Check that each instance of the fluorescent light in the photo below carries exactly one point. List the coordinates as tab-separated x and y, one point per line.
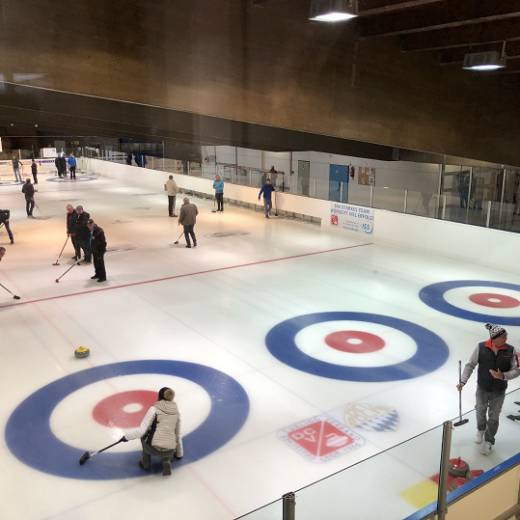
485	67
333	10
482	61
334	16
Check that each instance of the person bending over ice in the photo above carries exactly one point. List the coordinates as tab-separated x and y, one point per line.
497	363
160	432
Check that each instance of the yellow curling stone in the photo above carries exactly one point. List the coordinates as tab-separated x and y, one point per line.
82	352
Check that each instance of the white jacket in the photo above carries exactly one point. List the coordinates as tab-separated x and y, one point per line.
167	434
171	188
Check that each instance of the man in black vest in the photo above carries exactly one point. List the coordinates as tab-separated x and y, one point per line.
497	363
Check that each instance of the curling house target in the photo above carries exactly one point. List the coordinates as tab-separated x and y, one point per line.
475	300
357	346
30	438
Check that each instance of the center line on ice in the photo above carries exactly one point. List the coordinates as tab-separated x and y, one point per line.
186	275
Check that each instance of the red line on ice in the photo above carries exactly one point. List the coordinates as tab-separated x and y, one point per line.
186	275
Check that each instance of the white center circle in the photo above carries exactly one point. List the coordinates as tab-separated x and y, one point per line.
132	408
460	297
399	347
72	421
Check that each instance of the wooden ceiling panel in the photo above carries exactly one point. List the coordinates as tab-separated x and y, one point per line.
439	15
469	35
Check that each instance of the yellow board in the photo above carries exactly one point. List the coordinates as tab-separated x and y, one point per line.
421	494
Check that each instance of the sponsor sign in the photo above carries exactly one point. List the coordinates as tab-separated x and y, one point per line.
352	218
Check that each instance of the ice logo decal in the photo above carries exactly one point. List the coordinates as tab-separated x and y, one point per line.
371	418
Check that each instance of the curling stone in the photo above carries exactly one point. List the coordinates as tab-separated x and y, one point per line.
458	467
82	352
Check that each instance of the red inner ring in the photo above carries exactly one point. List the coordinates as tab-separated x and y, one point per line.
364	342
504	301
109	411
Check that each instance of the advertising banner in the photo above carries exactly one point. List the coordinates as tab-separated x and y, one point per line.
352	218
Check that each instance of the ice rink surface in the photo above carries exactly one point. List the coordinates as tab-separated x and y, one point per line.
294	352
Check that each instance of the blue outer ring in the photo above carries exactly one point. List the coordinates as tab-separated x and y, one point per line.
29	436
433	296
432	351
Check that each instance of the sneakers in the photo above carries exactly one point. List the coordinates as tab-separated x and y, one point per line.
166	468
479	437
94	277
188	246
486	448
101	280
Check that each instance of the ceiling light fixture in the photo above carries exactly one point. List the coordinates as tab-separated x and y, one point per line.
483	61
333	10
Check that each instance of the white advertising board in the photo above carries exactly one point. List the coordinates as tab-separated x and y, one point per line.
352	218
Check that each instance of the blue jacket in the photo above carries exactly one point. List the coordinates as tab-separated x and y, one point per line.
218	186
72	161
267	190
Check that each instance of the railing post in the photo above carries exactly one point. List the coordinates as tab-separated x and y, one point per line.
443	214
405	200
442	496
468	195
488	217
371	195
289	506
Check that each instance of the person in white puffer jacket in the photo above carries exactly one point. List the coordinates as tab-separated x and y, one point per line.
160	432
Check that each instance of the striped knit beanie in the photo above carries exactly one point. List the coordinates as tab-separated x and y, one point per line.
495	331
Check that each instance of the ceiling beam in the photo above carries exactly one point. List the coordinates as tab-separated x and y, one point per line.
470	35
375	7
441	15
456	55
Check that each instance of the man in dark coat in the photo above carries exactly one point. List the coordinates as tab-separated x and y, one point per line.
72	224
83	233
28	191
4	219
34	171
98	246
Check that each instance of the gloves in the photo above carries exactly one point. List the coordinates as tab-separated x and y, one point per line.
123	439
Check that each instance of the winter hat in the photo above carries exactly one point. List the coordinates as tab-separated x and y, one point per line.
165	394
495	331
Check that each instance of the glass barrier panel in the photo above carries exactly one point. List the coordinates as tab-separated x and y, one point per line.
392	484
359	195
424	204
272	511
464	447
389	198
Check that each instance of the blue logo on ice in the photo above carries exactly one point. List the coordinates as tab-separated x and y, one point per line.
432	351
29	436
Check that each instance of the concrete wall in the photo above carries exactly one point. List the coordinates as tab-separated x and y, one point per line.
449	239
265	65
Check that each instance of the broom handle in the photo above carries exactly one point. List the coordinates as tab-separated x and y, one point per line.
111	446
